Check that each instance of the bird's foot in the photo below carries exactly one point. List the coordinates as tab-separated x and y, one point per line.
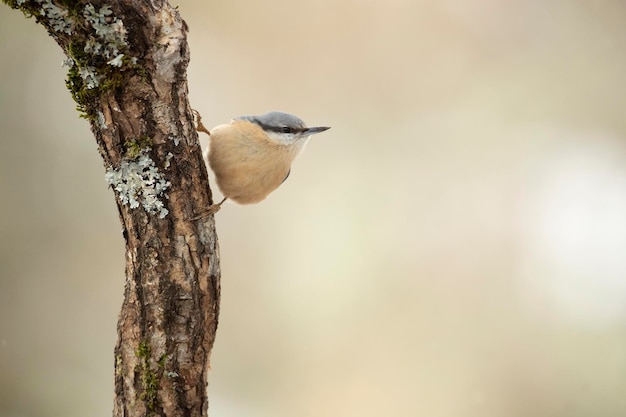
212	209
199	126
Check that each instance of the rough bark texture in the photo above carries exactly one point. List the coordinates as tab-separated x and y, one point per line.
141	118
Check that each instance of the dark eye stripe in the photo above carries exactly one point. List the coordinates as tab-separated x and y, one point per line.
282	129
277	129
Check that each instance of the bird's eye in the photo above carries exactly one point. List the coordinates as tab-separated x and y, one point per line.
286	129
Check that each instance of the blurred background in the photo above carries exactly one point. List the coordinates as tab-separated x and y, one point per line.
455	246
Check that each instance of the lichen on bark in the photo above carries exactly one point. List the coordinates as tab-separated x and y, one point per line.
127	64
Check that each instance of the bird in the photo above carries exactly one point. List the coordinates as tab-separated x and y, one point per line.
252	155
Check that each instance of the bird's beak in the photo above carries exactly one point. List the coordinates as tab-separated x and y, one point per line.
313	130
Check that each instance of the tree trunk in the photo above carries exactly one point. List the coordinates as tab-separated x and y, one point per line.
127	64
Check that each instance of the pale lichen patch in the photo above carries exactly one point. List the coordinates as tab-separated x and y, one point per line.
110	31
90	76
100	120
174	139
139	182
59	18
168	158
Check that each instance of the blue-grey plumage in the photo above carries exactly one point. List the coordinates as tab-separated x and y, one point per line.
252	155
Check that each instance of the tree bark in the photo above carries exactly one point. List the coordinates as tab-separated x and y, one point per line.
127	64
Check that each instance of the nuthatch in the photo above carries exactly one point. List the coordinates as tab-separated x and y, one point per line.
252	155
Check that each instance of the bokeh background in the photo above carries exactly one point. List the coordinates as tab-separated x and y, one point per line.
455	246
